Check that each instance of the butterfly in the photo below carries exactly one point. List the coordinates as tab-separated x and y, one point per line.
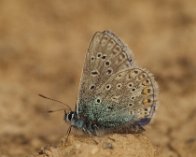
116	95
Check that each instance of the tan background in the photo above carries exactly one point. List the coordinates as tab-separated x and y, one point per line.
42	49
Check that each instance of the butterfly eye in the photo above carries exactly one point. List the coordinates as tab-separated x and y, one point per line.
130	105
70	116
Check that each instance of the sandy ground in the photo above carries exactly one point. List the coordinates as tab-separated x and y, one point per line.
42	49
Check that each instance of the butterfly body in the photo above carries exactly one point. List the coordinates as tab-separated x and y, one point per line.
99	128
116	95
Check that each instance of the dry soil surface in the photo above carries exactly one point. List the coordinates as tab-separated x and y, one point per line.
42	50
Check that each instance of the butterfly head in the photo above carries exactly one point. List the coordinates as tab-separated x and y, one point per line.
69	116
73	119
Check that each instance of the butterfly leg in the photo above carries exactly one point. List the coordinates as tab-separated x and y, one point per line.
135	129
89	128
68	132
93	129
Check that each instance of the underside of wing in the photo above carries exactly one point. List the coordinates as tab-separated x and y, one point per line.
130	96
114	91
106	55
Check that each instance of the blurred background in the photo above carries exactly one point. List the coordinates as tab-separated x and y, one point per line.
42	50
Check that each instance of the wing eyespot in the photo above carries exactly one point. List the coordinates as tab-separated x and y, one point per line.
133	89
103	57
92	87
130	104
107	63
99	55
146	91
119	76
119	85
110	108
92	58
146	82
130	85
98	101
109	71
111	44
147	101
104	40
108	86
132	97
115	98
142	76
116	50
136	71
94	73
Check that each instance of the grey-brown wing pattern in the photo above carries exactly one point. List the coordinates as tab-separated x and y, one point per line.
106	56
114	90
129	95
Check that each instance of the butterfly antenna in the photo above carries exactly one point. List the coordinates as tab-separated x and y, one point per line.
43	96
51	111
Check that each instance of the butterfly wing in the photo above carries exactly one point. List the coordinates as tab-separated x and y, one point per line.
106	56
113	89
129	96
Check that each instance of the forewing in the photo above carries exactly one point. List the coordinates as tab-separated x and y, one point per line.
106	56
